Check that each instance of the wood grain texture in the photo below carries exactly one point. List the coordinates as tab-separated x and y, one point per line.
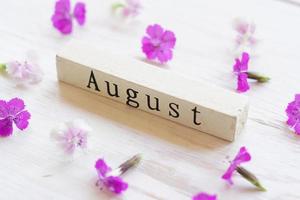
178	161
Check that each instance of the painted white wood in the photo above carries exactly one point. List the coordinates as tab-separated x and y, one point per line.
195	104
178	161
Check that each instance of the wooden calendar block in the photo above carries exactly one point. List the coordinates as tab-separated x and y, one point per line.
195	104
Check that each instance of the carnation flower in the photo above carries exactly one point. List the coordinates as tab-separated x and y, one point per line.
293	113
12	112
110	179
245	32
62	17
24	72
131	8
240	68
72	135
158	44
242	157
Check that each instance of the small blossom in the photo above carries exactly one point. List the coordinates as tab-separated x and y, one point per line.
245	32
113	183
240	68
24	73
111	179
131	8
158	43
72	135
204	196
241	157
13	112
293	113
62	16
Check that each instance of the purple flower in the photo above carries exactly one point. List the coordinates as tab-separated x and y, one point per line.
24	73
72	135
204	196
62	16
241	157
159	43
293	113
12	112
245	32
240	68
106	179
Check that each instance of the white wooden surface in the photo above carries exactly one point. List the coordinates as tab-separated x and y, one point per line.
178	161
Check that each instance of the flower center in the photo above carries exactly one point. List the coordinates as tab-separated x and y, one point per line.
155	42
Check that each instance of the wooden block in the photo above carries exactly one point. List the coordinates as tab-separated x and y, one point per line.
195	104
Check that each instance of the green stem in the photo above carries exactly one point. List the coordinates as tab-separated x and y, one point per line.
2	67
250	177
260	78
116	6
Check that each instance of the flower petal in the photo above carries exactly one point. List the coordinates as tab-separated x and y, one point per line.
116	184
3	109
62	6
168	39
243	85
165	55
21	120
236	66
155	31
6	127
242	156
244	61
62	23
229	172
204	196
15	106
102	168
79	13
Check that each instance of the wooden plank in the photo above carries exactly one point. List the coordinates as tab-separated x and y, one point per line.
194	104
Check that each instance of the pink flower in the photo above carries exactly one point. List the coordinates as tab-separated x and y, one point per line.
24	73
12	112
245	33
241	157
240	68
243	85
158	43
131	8
293	113
112	183
72	135
204	196
62	16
